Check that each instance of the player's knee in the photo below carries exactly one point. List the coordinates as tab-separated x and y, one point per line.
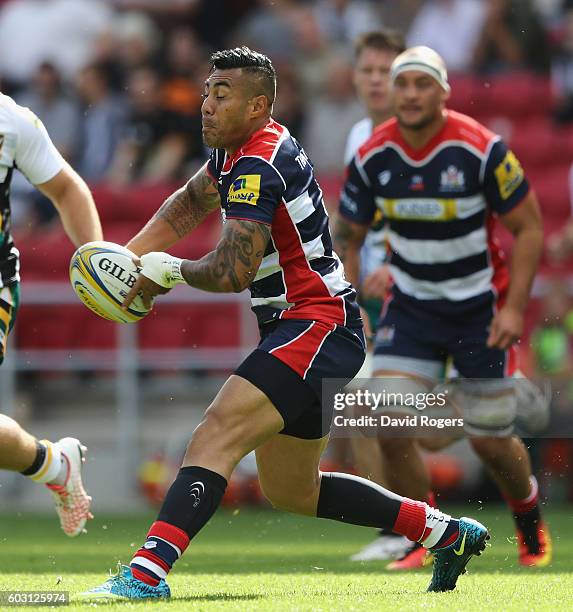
298	499
491	449
218	434
396	449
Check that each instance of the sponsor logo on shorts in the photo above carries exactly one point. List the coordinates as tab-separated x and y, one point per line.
385	335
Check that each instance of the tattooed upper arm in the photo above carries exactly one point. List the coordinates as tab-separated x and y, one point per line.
234	263
188	206
240	252
348	235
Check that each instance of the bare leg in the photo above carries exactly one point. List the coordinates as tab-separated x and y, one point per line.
508	463
17	447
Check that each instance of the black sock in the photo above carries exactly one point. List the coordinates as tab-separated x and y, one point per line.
192	499
527	523
355	500
38	461
190	502
387	533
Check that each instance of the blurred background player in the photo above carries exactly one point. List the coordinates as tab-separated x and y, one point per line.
276	242
434	173
374	53
26	146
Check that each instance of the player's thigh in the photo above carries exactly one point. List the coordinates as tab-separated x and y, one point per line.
289	472
486	385
239	419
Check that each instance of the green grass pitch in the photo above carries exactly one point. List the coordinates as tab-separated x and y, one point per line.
266	560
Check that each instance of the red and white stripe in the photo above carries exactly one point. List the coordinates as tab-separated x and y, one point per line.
300	352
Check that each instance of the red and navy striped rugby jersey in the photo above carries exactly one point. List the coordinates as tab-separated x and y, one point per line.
270	180
440	204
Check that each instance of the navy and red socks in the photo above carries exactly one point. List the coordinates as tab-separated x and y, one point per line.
196	493
527	516
189	504
351	499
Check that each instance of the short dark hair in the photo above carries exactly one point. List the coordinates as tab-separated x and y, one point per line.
250	61
383	40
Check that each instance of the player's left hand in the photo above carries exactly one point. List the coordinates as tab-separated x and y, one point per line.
159	273
506	328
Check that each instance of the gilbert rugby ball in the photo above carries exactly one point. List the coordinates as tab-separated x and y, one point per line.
102	273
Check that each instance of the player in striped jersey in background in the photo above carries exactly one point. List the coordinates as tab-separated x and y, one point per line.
26	146
374	53
441	180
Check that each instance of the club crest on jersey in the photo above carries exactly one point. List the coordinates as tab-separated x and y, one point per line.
417	183
452	179
509	175
245	189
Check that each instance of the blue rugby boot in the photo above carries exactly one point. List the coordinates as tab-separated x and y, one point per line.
124	586
450	562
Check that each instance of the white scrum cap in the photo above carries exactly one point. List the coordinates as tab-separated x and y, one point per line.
423	59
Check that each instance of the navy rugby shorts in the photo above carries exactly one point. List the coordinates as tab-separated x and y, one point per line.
411	339
290	362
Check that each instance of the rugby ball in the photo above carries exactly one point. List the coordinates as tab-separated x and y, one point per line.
102	273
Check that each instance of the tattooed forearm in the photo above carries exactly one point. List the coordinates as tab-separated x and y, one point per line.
233	265
188	206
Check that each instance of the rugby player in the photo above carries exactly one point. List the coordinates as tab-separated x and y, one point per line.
276	241
26	146
374	53
441	180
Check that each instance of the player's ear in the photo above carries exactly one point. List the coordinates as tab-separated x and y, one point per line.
259	106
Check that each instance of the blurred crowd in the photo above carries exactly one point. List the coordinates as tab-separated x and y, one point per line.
118	83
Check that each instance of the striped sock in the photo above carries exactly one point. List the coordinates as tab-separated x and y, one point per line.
165	543
421	523
48	463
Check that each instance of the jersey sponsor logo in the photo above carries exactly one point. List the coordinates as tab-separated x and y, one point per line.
245	189
420	209
384	177
452	179
509	175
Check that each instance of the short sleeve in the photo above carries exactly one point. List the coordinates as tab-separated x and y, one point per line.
356	199
215	163
255	191
36	156
504	181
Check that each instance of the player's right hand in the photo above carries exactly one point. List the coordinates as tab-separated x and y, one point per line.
158	274
376	284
